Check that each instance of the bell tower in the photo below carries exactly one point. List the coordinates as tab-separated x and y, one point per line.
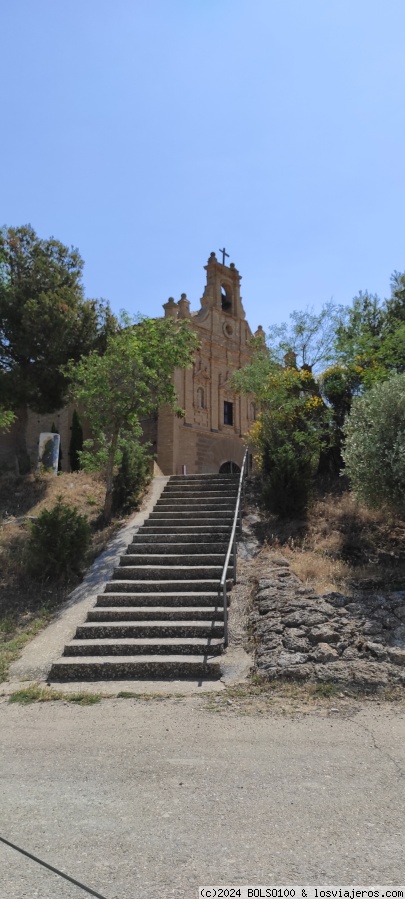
222	290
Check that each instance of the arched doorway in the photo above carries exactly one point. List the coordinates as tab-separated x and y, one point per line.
229	468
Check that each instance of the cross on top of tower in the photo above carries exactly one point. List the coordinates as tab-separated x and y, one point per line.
224	253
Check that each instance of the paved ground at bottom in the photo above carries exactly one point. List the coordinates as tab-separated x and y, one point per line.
149	799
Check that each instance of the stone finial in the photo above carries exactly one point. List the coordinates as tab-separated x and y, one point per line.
212	258
184	306
260	333
171	308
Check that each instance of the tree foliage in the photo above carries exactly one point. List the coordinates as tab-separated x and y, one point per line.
6	419
310	336
44	318
370	340
375	444
288	434
128	382
355	351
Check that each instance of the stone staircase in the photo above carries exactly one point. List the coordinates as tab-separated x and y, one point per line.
160	616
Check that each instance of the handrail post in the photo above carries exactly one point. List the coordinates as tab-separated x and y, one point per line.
225	601
232	548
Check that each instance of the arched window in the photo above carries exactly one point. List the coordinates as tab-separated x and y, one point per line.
200	398
226	298
229	468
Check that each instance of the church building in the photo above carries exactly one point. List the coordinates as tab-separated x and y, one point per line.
209	437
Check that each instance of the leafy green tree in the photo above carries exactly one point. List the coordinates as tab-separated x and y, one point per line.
6	419
128	382
288	434
359	339
375	444
309	335
44	319
370	341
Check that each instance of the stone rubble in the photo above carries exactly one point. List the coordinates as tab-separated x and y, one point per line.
356	641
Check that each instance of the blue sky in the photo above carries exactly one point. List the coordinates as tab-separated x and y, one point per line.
149	133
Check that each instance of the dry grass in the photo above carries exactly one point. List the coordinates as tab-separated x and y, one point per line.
27	605
264	698
342	544
28	495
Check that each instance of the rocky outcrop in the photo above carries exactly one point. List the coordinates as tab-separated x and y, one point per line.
349	640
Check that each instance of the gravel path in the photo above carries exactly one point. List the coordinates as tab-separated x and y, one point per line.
149	799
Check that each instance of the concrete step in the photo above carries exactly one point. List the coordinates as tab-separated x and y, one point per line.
156	613
162	527
188	627
93	668
196	508
167	572
213	508
179	547
192	493
133	647
199	517
169	599
158	559
129	585
176	541
149	629
182	497
204	479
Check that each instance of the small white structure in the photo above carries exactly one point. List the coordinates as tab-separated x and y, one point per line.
48	451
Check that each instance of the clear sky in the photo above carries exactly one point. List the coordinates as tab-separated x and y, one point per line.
149	132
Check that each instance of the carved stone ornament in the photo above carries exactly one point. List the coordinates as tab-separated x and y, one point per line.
201	371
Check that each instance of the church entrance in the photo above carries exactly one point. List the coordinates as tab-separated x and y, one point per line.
229	468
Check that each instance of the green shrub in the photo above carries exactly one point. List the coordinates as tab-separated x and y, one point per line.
288	466
374	452
58	542
132	476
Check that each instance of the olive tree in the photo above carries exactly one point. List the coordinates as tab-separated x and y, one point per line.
374	451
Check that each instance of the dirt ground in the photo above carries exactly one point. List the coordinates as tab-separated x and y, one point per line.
341	544
152	798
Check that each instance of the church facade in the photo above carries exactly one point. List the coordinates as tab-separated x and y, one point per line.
209	437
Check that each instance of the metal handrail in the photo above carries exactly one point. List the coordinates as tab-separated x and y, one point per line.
232	546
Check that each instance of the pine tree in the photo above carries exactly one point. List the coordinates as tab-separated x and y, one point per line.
76	442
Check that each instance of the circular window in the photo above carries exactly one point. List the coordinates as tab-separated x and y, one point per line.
228	329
